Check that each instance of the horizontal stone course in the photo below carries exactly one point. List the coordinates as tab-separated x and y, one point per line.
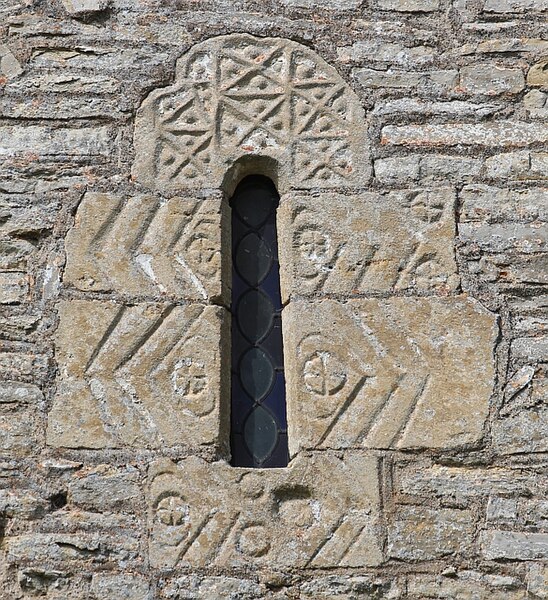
494	134
514	545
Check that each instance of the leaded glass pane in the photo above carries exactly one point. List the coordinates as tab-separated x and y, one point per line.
259	422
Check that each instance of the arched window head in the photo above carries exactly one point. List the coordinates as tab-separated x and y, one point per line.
258	407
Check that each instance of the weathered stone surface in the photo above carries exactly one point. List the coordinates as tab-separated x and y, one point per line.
194	587
394	373
502	133
85	7
537	580
320	512
146	247
105	488
526	238
491	80
462	483
39	141
336	5
334	587
344	245
10	67
409	5
275	99
524	432
514	6
432	82
455	108
100	549
147	375
364	51
497	545
521	165
120	587
493	204
501	510
13	287
538	73
465	585
420	533
401	171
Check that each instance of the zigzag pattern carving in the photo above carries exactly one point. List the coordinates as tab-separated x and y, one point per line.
146	247
145	375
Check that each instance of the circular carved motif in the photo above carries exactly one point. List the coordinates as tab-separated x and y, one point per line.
323	373
254	541
191	385
172	511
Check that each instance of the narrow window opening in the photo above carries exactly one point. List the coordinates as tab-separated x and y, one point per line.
258	407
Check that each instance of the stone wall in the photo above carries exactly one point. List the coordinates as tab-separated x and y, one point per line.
413	247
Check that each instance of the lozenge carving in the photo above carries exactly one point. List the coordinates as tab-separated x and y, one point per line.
320	512
239	95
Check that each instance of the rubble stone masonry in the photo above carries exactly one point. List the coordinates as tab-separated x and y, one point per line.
408	140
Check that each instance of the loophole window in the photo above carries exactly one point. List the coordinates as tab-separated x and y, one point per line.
258	407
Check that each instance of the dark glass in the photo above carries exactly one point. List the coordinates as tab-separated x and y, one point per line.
256	373
255	314
260	433
258	407
253	259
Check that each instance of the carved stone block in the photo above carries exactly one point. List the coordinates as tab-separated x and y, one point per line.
237	96
346	244
147	247
388	373
145	376
320	512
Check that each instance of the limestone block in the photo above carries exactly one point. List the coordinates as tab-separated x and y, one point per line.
432	82
268	100
146	247
393	373
421	533
80	8
491	80
48	142
18	431
514	6
343	244
514	545
537	580
492	204
194	587
538	74
462	483
337	5
120	587
528	238
409	5
526	431
14	287
501	133
144	376
465	585
348	587
320	512
68	548
9	65
104	488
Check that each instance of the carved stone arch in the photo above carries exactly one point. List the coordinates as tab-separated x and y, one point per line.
241	96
